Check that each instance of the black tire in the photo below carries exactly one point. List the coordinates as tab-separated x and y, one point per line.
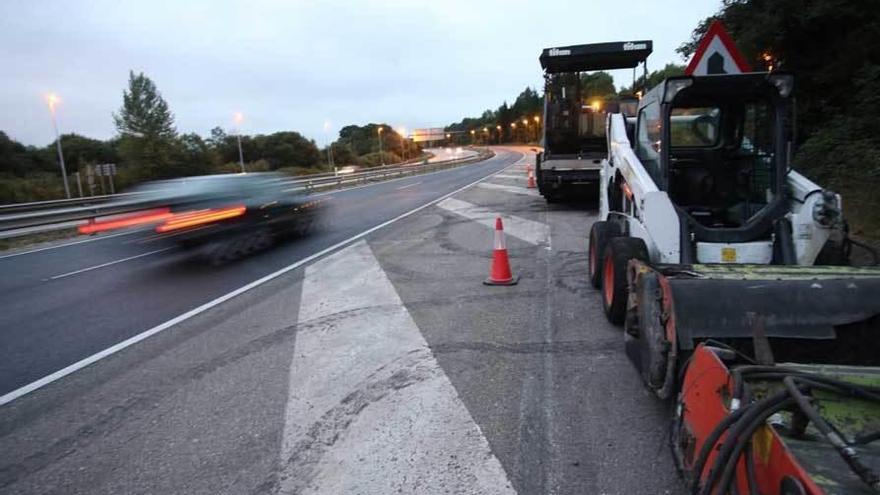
615	288
657	361
600	232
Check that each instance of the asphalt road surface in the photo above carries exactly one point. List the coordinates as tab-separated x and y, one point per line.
382	365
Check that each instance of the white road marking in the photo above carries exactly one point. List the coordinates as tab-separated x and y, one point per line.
510	189
408	185
99	238
527	230
109	263
46	380
369	408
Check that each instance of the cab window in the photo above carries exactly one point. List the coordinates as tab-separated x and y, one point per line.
648	139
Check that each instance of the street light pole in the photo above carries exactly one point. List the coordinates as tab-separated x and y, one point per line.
381	156
52	100
238	117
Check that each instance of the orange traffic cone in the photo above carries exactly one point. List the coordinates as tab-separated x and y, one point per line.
528	168
531	184
500	273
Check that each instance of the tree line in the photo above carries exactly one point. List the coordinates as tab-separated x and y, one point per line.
522	121
148	146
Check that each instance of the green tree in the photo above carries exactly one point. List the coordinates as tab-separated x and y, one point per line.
146	129
597	84
144	112
288	149
654	78
193	156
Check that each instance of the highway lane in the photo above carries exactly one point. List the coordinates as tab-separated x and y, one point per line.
120	290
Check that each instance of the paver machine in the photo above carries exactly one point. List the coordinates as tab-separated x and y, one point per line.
574	139
721	262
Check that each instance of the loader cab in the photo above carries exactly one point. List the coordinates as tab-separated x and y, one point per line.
718	146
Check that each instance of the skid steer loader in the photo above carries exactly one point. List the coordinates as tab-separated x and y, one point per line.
705	229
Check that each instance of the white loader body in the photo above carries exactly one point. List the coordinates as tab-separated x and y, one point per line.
652	217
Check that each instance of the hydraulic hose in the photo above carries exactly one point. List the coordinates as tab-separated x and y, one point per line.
738	437
868	248
732	425
848	453
741	424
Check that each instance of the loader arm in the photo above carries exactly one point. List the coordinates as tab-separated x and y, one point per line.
629	193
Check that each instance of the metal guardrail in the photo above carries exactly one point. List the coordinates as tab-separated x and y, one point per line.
19	219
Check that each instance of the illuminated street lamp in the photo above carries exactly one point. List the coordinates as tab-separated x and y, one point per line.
473	135
238	118
52	99
498	128
537	120
381	156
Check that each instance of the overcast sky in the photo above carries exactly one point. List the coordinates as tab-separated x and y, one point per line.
299	65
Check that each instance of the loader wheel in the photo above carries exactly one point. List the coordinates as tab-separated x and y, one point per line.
614	284
656	365
599	234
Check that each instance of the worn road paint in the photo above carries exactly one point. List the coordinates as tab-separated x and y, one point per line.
109	263
369	408
408	186
73	243
511	176
527	230
510	189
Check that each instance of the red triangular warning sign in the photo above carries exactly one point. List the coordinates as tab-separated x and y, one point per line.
717	54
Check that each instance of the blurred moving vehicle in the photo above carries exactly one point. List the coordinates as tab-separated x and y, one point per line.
222	217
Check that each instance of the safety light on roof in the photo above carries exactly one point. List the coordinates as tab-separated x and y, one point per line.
673	86
784	83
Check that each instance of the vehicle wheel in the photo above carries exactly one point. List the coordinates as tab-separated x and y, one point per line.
618	252
599	235
656	365
551	198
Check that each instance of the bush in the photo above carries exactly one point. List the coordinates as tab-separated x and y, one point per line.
376	159
39	186
295	171
235	167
